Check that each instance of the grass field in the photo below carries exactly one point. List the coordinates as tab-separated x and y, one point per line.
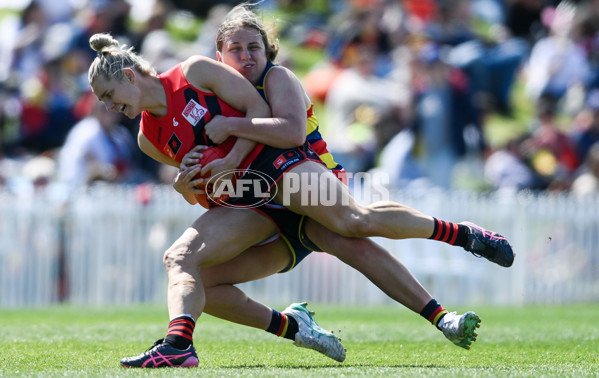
380	341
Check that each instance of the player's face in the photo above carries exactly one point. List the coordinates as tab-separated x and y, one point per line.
117	95
244	50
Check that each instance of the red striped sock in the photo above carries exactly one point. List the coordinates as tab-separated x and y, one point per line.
180	332
451	233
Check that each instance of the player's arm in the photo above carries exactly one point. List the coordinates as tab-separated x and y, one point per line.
240	150
228	84
287	126
231	87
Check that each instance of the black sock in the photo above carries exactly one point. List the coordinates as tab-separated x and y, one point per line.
283	325
451	233
180	332
433	312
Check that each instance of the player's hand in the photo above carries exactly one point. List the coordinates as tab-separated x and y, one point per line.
192	157
217	129
218	166
223	169
186	183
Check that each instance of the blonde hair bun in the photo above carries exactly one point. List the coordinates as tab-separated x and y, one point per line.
100	41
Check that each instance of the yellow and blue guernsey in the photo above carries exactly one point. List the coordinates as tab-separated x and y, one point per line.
313	135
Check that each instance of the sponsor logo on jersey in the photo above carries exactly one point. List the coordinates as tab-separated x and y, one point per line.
173	146
286	159
279	161
194	112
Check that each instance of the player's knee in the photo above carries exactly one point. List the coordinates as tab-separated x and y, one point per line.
353	225
177	256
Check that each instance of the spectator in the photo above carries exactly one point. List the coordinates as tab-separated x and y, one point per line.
204	44
59	11
96	149
550	151
447	23
523	20
443	109
365	81
586	125
354	102
26	48
588	29
587	181
102	16
47	108
491	58
505	170
397	161
360	25
40	171
155	42
28	176
557	62
372	25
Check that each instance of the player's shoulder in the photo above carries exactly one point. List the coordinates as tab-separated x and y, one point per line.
281	82
202	72
278	72
196	62
207	69
281	77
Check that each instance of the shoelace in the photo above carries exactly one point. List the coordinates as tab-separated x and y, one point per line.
156	343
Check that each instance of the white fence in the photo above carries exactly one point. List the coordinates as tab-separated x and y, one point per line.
106	246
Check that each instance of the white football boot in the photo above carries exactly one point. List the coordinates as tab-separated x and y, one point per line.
311	335
460	329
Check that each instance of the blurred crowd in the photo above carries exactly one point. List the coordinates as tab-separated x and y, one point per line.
406	87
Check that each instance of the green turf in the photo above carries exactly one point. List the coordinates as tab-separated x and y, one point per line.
381	341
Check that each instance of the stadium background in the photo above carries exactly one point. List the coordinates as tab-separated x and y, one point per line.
393	82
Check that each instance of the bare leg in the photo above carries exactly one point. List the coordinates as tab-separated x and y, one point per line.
377	264
228	302
311	190
345	215
392	277
217	236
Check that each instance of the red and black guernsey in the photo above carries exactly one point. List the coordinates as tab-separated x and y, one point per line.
189	110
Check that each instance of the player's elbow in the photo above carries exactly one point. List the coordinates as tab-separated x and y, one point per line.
295	133
288	137
298	138
289	141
